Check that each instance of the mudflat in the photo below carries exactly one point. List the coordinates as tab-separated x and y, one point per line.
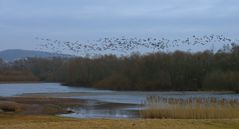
47	105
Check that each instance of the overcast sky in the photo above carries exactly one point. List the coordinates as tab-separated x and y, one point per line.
22	20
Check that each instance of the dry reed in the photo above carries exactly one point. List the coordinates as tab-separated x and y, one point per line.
190	108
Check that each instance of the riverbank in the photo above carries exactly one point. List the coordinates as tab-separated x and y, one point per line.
37	105
54	122
39	112
48	105
21	82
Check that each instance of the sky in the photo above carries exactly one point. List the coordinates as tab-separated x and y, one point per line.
23	20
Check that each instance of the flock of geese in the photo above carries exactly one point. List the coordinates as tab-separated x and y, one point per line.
124	44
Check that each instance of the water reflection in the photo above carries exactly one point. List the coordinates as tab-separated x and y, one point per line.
103	113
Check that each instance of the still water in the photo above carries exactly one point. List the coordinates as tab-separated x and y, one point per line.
132	100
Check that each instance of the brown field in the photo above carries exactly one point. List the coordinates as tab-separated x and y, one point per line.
53	122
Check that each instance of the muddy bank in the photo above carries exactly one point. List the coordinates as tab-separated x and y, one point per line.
48	106
37	106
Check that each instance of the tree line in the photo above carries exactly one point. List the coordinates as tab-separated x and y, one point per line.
149	72
10	74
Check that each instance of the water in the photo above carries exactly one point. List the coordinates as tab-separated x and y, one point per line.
103	113
94	96
15	89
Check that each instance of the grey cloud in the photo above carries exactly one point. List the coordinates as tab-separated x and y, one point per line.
89	19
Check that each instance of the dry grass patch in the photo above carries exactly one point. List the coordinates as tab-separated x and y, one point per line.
7	106
52	122
191	108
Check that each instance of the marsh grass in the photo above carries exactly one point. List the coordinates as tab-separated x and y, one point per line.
6	106
190	108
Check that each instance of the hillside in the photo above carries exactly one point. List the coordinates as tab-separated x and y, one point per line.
15	54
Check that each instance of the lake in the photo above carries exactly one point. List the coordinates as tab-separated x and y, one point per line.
134	99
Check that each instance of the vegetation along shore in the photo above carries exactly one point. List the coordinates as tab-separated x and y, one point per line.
181	71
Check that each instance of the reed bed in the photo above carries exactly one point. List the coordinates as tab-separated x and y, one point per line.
190	108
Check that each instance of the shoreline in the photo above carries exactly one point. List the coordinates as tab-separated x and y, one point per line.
74	86
49	105
27	82
39	112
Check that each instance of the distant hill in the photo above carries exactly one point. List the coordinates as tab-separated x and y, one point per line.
15	54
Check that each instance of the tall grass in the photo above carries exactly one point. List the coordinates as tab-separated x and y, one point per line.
190	108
